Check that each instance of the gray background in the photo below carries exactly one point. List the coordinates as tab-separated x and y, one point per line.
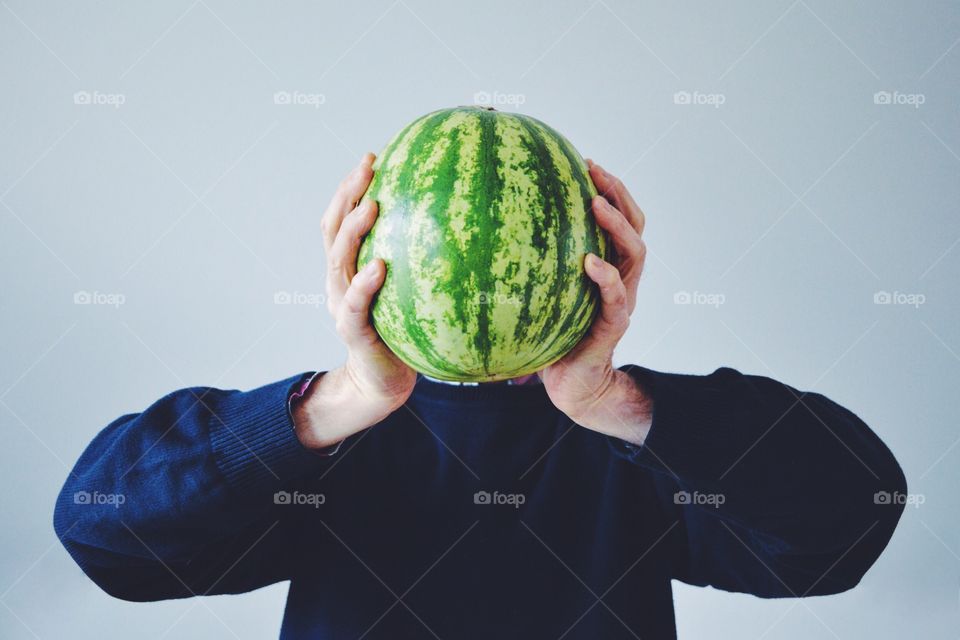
198	199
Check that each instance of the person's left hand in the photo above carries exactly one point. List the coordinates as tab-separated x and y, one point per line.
583	384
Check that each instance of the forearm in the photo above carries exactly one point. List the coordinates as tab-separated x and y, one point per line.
760	438
794	474
180	482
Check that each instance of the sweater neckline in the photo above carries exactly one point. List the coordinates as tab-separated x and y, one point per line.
484	392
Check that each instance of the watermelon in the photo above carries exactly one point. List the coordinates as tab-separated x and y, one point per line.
484	223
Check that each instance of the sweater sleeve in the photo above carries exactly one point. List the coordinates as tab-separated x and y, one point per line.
190	496
774	492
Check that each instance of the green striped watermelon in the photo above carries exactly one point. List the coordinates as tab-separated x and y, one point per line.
484	223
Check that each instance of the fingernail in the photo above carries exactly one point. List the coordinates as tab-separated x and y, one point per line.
593	260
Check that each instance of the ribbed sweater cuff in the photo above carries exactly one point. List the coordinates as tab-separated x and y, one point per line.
253	440
687	423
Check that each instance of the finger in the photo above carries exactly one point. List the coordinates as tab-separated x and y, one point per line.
342	256
345	198
629	249
614	317
626	241
615	191
353	315
343	253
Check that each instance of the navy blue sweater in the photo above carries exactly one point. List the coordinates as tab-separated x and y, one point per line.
483	512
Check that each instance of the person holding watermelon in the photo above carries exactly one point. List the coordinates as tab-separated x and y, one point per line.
554	505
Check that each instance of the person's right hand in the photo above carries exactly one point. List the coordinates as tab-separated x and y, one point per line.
373	382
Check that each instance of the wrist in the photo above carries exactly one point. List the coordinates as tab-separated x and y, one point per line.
331	409
623	409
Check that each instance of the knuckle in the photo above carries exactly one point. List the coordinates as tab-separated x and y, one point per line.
356	216
347	220
352	231
345	316
619	297
340	325
352	304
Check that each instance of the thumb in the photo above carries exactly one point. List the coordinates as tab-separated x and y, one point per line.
614	317
353	317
